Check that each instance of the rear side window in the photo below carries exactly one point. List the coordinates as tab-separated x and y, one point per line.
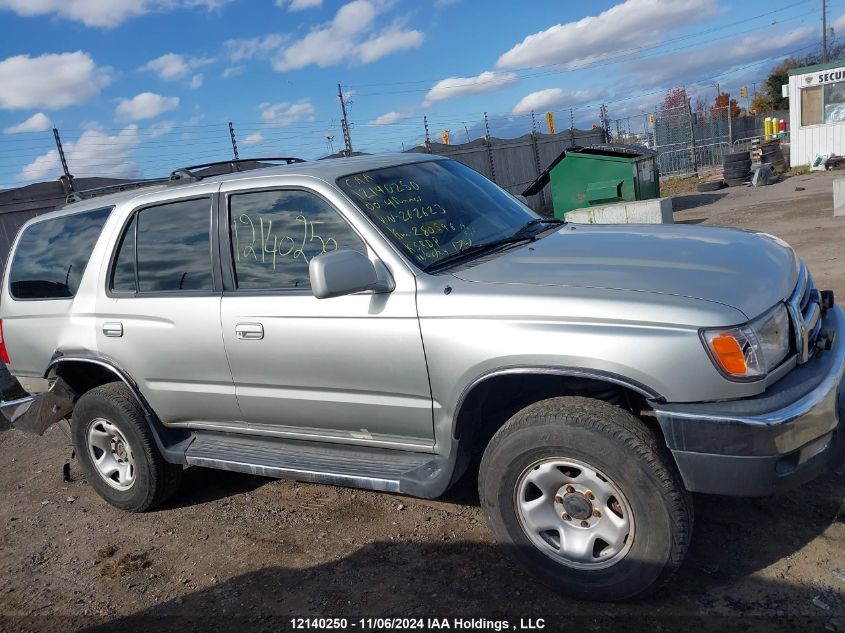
51	255
166	248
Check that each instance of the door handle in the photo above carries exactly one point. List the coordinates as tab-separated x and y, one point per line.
113	328
249	331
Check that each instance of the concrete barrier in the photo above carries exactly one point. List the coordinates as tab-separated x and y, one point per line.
656	211
839	197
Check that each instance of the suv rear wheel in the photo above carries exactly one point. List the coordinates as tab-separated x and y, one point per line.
585	497
117	452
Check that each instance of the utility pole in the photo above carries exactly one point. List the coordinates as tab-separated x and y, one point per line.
536	147
330	142
427	140
67	179
571	128
466	131
344	123
234	141
824	31
489	148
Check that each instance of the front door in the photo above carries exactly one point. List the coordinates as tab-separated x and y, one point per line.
349	368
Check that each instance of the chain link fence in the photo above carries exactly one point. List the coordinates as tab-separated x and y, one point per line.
691	143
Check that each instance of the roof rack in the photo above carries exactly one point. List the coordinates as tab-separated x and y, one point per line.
79	196
188	173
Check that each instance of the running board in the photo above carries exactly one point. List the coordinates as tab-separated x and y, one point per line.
320	462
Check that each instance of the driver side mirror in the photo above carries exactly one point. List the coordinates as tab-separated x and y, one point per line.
343	272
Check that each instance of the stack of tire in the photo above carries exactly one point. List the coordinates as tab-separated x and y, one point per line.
771	152
737	168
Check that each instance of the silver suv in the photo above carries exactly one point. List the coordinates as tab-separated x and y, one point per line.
393	322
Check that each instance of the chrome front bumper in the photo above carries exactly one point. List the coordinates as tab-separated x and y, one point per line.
756	446
37	413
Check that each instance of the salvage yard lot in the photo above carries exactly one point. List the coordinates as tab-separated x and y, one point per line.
237	545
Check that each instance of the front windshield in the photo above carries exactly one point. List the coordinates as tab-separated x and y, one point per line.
437	208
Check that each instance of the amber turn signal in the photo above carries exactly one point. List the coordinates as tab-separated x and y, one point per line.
728	352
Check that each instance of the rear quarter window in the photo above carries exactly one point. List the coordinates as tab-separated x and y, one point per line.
51	255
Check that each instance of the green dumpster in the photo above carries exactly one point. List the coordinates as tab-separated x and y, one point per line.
598	175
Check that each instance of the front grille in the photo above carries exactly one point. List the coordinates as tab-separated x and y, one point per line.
805	311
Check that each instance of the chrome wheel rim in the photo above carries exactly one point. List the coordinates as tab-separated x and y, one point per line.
574	513
111	454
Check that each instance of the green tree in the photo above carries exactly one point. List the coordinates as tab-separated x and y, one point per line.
780	74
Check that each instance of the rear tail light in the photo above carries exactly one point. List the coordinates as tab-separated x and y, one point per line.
4	355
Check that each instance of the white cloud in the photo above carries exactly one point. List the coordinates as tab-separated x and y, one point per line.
161	128
232	71
666	69
103	13
286	113
50	81
391	40
625	26
173	66
38	122
838	25
350	36
244	49
196	81
389	118
552	98
94	153
146	105
253	139
299	5
452	87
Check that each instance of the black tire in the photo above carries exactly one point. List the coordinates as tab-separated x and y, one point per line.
154	479
735	182
616	444
740	165
713	185
738	174
736	157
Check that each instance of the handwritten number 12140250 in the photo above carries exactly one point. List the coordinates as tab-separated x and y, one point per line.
255	239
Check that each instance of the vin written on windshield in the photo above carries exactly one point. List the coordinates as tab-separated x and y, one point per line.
434	209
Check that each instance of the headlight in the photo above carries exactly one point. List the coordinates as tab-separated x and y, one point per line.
750	351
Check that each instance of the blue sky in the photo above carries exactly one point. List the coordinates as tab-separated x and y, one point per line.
139	87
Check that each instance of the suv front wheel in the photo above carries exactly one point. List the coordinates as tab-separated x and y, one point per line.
117	452
583	495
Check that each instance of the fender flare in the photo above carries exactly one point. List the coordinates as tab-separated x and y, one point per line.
565	372
172	443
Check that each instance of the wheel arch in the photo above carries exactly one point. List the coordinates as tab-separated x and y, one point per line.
491	399
84	371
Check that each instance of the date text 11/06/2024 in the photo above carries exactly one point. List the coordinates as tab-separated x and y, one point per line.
417	624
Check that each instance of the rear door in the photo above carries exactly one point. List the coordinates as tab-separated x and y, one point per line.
160	315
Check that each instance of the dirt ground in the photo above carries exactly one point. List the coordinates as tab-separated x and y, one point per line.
235	552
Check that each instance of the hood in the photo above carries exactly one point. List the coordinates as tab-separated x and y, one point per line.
747	271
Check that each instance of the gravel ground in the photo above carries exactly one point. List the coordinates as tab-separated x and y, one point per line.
234	552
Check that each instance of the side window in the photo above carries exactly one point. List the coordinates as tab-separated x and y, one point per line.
123	274
275	234
166	248
51	255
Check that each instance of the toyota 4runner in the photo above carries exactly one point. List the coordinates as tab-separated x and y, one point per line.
390	322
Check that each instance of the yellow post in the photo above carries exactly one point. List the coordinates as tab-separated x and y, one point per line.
445	135
550	121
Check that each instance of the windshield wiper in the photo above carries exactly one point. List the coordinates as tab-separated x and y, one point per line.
521	235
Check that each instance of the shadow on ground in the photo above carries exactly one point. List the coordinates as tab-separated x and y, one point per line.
688	201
